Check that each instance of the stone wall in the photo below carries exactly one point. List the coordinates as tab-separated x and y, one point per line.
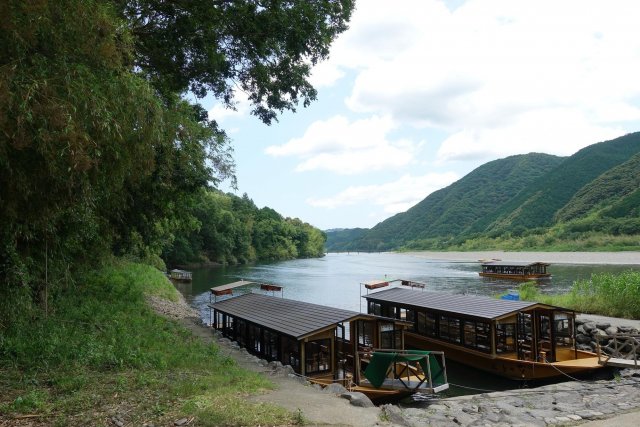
590	333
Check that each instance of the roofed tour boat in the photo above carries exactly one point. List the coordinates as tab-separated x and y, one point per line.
327	344
515	270
514	339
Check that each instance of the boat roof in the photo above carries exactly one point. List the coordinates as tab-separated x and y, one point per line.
515	263
297	319
376	284
226	289
468	305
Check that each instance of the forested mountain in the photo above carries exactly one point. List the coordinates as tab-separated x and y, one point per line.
537	205
454	209
618	186
594	190
339	239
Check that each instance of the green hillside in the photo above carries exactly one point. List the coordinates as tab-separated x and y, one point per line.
539	203
340	239
454	209
588	200
611	188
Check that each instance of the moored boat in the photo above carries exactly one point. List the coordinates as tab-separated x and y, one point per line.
514	339
326	344
180	275
515	270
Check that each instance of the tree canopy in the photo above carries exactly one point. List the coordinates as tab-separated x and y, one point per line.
100	148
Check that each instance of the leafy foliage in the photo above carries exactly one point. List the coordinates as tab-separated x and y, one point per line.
228	229
100	151
265	48
616	295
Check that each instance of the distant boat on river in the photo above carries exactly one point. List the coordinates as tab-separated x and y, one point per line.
515	270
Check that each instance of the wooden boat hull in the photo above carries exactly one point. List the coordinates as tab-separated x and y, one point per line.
515	276
504	366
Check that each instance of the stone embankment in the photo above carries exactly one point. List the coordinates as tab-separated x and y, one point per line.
559	404
591	334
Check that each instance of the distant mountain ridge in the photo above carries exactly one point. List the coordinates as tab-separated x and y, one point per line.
515	195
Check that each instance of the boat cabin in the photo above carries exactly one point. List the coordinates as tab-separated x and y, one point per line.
316	340
491	334
515	270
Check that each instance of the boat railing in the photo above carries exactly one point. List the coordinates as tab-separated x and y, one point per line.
623	347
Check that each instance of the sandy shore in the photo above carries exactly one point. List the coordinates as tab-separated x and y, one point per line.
619	258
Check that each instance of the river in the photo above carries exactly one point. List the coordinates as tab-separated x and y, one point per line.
334	280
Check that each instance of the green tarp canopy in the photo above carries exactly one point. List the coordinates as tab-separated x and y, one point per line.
376	371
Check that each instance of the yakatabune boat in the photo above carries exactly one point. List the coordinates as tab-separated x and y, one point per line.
514	339
326	344
515	270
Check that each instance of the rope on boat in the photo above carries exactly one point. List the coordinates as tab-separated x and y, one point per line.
563	373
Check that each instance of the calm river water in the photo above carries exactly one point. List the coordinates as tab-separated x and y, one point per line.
335	281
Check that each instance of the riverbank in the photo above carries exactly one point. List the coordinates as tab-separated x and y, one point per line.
569	403
613	258
102	357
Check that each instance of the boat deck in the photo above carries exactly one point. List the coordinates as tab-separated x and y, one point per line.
413	384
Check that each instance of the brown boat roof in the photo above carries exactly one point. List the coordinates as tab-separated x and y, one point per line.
515	263
289	317
468	305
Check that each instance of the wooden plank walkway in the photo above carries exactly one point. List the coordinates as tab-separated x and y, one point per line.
622	363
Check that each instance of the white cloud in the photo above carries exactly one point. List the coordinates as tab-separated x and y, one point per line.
394	197
486	70
560	131
341	146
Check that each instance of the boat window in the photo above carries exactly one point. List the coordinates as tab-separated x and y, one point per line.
389	336
470	334
318	356
563	330
254	341
431	325
365	333
240	332
505	338
450	328
270	345
477	335
291	353
421	323
375	308
408	315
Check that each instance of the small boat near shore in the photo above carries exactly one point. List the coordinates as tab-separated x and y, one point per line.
363	352
180	275
515	270
513	339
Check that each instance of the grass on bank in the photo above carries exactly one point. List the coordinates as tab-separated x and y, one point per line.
102	352
606	294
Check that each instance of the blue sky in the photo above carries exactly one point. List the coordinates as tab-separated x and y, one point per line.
418	93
